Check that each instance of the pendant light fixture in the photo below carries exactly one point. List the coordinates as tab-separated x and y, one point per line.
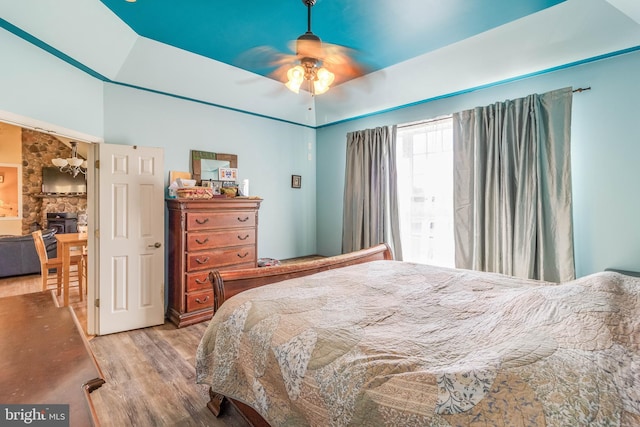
72	165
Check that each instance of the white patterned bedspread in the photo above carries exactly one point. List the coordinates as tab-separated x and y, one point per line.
390	343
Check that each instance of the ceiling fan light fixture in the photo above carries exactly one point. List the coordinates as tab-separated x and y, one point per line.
323	81
296	77
310	55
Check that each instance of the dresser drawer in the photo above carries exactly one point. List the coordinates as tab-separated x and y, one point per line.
200	300
217	220
200	279
219	239
217	258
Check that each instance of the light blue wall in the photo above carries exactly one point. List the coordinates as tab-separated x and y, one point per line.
606	146
38	85
268	151
605	156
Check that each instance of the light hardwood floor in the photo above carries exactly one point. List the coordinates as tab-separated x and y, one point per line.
150	379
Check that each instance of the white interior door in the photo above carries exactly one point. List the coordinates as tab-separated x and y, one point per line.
129	237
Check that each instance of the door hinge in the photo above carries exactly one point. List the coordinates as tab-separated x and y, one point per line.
97	234
97	164
97	303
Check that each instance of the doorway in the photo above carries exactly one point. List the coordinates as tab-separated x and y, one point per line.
33	150
125	239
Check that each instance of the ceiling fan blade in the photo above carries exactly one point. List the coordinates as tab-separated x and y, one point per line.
343	62
263	58
280	73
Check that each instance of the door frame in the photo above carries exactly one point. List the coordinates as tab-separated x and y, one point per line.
65	133
93	285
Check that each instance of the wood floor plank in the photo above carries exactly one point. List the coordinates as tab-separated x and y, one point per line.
133	379
150	379
164	362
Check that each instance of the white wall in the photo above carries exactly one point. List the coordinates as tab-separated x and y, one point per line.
605	154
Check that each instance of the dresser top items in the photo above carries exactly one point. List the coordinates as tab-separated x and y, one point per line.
214	175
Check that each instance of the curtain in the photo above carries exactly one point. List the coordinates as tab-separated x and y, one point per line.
512	183
370	213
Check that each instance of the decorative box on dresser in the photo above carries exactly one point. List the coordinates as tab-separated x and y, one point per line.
206	234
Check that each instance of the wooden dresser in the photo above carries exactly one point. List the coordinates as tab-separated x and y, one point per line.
206	234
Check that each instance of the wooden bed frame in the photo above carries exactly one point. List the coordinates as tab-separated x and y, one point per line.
231	282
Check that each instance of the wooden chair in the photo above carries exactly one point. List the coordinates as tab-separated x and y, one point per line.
47	264
85	267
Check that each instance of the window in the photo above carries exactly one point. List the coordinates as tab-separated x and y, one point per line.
425	192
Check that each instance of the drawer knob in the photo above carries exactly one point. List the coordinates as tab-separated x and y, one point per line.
202	221
243	256
201	281
243	238
245	219
202	242
203	301
202	261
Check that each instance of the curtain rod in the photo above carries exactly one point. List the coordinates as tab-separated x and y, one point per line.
421	122
424	122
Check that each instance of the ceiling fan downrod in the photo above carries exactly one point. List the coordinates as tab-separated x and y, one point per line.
308	44
309	4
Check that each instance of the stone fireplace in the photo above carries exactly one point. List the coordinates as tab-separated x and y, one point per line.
37	151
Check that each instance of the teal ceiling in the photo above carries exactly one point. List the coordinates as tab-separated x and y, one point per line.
383	32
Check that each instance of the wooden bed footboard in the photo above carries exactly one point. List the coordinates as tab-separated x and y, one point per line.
231	282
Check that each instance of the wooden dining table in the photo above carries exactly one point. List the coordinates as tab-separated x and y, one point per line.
66	242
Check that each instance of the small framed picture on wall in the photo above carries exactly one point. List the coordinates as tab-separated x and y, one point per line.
296	181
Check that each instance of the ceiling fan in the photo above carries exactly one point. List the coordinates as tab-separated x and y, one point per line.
315	66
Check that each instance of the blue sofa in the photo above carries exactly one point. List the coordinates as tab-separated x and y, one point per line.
18	254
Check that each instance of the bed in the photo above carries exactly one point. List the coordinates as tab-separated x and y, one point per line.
362	340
